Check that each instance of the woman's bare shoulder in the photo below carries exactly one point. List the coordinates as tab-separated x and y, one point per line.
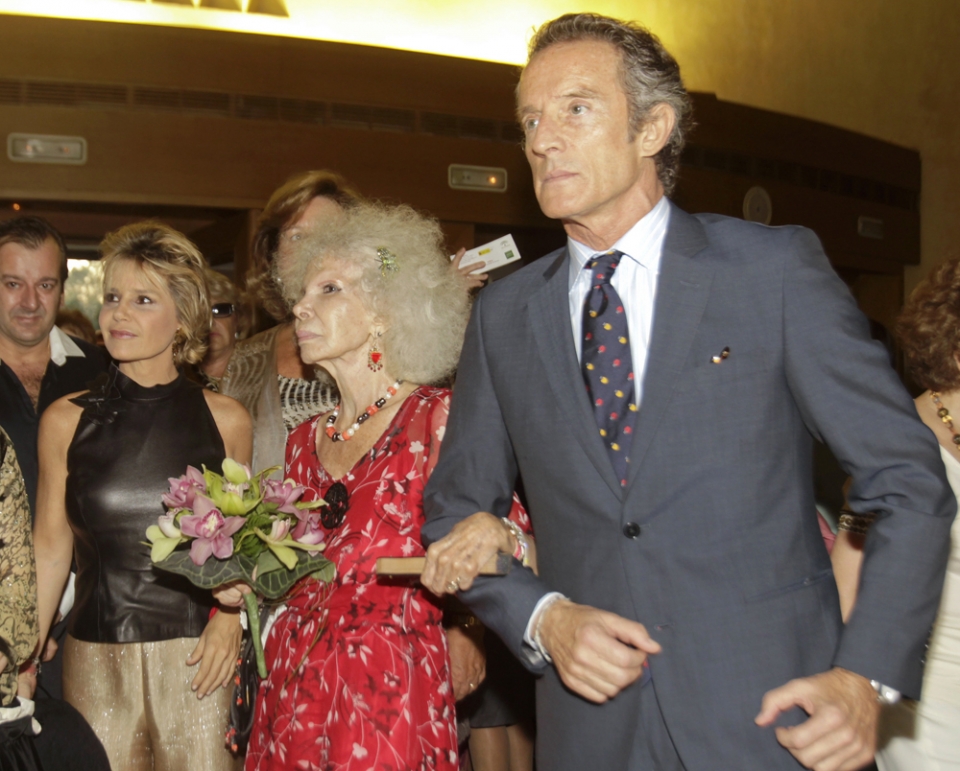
228	412
60	419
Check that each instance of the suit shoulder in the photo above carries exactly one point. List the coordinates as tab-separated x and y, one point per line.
737	241
527	279
719	227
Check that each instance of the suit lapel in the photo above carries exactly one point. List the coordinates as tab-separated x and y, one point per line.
682	291
550	321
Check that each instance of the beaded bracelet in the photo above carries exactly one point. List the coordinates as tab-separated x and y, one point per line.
522	552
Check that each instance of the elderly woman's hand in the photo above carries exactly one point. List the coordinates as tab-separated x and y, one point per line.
473	281
455	560
468	659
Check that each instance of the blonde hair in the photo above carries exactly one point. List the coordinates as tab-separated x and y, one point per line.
172	259
406	279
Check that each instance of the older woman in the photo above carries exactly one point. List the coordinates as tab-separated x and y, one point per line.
924	735
105	459
266	373
359	674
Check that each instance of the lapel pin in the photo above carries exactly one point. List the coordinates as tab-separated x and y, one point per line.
725	353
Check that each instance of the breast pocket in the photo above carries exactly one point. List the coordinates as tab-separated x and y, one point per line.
724	368
714	407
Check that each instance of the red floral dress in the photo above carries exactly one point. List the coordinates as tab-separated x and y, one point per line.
359	671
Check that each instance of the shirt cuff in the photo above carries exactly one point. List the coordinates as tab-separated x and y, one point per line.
530	636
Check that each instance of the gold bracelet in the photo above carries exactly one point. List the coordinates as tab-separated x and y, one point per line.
464	620
851	522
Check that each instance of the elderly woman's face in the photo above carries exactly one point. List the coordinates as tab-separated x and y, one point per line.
332	321
319	211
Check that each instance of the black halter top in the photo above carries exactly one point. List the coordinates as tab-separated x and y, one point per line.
129	441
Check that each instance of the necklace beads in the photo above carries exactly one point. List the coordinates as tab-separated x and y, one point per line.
362	418
944	414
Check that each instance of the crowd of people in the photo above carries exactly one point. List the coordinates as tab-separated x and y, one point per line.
653	389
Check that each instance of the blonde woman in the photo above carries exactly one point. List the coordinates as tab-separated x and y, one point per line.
105	458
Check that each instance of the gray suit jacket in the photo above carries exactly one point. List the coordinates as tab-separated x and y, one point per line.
729	571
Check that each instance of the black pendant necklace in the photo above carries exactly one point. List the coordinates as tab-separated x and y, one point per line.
338	501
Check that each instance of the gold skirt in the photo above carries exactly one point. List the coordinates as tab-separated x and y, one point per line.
137	699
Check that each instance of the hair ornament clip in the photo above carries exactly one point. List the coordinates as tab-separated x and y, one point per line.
388	261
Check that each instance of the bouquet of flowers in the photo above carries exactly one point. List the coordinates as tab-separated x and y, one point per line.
257	530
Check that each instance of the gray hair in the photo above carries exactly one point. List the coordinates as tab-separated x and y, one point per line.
406	279
649	76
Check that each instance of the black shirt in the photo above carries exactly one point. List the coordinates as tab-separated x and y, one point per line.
22	422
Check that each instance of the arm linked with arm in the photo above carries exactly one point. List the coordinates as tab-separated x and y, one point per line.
477	471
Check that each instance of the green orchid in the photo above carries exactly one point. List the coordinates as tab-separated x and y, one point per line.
281	543
237	492
165	536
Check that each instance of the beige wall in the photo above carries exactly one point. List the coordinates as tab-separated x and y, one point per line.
886	68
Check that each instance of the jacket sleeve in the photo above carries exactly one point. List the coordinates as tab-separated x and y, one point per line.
477	471
850	398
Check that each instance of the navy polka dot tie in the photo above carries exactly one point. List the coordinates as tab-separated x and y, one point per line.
606	362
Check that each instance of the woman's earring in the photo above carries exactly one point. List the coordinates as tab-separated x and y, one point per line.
177	349
374	356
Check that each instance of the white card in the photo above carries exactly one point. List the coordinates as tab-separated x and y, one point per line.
496	254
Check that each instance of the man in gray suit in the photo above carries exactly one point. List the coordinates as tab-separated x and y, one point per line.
657	384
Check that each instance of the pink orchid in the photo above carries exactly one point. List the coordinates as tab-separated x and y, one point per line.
279	530
184	490
308	531
210	530
284	494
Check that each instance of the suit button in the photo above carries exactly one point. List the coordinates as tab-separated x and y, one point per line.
631	530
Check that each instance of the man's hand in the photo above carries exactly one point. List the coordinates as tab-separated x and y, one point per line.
841	733
217	652
468	659
597	654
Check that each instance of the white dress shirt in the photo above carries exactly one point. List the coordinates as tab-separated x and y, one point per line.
635	280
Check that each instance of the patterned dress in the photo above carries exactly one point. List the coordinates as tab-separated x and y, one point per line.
359	671
18	575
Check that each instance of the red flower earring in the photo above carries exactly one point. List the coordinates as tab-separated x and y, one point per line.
374	356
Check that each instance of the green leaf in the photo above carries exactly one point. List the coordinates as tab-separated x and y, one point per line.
267	562
211	574
277	583
272	585
284	553
326	573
